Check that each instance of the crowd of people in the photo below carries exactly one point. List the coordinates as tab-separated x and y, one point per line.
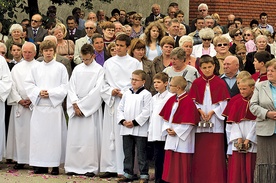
93	92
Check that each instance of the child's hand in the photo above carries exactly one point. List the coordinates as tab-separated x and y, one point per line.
246	142
239	140
209	115
128	124
171	132
202	114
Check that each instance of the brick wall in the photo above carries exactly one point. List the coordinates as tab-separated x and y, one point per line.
246	9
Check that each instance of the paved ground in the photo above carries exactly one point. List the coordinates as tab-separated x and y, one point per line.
8	175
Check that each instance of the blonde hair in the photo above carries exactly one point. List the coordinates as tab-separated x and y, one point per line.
243	75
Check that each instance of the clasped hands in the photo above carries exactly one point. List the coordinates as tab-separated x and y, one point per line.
78	112
25	103
44	94
128	124
117	92
206	117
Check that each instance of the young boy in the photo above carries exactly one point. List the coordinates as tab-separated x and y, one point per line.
133	116
84	127
180	117
160	81
243	135
260	59
210	102
46	87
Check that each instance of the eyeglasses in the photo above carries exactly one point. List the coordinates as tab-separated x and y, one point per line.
247	35
241	53
35	21
206	39
220	45
89	28
238	34
202	10
135	80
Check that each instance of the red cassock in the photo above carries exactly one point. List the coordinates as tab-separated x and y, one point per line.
177	165
258	75
209	161
242	165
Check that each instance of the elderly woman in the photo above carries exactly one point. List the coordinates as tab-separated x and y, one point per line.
164	60
138	51
261	45
64	47
262	106
137	28
236	35
186	43
181	68
16	32
153	35
206	47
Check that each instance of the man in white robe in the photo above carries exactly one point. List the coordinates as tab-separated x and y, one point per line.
5	88
46	87
21	106
118	70
84	107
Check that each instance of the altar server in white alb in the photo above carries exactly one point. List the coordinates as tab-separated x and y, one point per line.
118	70
84	108
46	87
5	88
21	106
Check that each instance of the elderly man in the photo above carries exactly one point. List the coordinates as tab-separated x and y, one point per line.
231	70
155	15
202	12
209	22
230	19
21	106
90	27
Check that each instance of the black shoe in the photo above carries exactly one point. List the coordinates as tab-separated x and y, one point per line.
108	175
18	166
89	174
71	173
40	170
124	179
55	171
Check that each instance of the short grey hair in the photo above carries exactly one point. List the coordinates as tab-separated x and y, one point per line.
4	46
26	43
206	33
209	17
94	23
16	27
179	53
184	39
201	6
261	36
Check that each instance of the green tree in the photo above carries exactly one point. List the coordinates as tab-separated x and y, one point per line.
9	8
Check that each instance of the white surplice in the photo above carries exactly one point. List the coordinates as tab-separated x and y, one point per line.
156	121
48	125
244	130
217	119
118	71
19	149
84	133
5	88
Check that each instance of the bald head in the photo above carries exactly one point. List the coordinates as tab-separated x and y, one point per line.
231	66
28	51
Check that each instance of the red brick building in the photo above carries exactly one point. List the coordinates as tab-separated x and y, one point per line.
245	9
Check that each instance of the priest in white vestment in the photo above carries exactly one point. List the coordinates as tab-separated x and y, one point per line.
84	108
21	106
118	71
46	87
5	88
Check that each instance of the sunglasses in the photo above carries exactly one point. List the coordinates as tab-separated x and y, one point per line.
220	45
241	53
35	21
206	39
247	35
202	10
89	28
238	34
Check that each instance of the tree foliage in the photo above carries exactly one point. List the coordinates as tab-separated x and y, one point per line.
9	8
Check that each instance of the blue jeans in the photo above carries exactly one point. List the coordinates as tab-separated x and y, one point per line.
129	143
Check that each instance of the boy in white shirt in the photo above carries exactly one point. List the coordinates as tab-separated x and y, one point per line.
160	81
133	116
